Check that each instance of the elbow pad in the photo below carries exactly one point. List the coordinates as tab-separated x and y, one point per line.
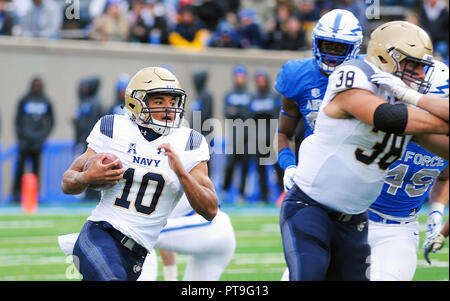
391	118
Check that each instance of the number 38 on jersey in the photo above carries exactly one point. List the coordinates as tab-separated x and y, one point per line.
384	152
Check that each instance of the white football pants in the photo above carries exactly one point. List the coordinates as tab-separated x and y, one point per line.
393	251
210	246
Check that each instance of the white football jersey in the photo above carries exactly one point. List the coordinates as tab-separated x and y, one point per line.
344	163
139	205
183	208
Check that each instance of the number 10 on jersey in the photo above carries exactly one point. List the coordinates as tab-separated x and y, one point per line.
138	202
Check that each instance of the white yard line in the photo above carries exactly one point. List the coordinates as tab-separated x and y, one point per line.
34	277
24	224
28	251
27	240
30	260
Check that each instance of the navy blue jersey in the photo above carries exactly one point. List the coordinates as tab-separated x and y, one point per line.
302	82
408	182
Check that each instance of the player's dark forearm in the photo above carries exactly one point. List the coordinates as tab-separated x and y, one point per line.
202	199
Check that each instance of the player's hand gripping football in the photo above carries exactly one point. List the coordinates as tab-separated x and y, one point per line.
174	160
101	172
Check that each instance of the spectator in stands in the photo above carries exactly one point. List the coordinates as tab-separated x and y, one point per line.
434	17
119	92
293	37
112	25
158	21
412	17
202	106
146	24
87	114
250	33
190	31
6	20
210	12
139	29
275	26
308	11
98	7
33	123
43	19
264	107
264	10
236	106
225	36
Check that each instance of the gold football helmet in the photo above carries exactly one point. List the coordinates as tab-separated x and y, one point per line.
397	41
154	80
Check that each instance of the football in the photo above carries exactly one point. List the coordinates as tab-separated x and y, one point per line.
108	159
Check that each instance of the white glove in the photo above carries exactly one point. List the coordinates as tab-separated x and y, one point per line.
288	179
394	84
434	226
434	246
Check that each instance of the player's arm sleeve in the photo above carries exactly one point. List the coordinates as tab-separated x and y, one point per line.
285	83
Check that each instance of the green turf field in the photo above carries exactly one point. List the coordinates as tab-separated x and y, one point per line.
29	249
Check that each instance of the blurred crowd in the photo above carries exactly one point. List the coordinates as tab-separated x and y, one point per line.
266	24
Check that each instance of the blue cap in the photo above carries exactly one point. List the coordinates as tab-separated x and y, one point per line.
261	72
240	69
247	13
113	2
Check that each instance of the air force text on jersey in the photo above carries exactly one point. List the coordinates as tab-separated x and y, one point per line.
423	160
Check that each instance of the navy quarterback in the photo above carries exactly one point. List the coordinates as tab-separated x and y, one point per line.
161	160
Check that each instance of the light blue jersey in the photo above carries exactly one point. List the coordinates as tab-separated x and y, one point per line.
302	82
408	182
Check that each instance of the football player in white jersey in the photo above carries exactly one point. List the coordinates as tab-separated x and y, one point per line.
161	159
209	244
360	131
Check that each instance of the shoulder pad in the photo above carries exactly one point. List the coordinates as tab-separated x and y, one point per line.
107	125
365	68
194	141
